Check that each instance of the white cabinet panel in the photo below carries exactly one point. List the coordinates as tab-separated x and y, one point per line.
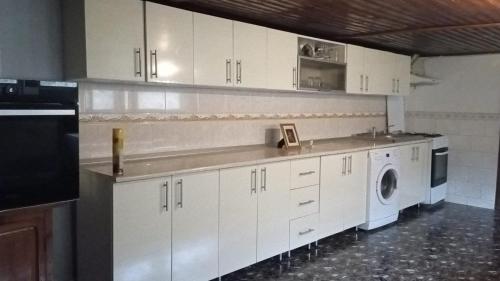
238	218
304	231
281	60
142	214
412	179
169	41
304	172
355	77
250	55
273	214
304	201
114	38
343	192
213	51
195	229
402	74
376	72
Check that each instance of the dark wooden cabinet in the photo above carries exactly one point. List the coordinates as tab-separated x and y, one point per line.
25	243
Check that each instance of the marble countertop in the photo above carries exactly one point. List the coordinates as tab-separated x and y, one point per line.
168	164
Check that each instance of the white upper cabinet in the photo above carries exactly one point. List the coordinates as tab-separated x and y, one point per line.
402	74
195	220
250	55
104	39
169	43
213	51
281	60
355	79
142	216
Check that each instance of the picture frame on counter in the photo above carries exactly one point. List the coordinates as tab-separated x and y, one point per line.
290	135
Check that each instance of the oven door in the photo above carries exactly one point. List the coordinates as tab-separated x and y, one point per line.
39	156
439	172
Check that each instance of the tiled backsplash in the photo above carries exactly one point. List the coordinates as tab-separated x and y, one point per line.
159	119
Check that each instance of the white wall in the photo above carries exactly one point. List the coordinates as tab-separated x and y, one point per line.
466	107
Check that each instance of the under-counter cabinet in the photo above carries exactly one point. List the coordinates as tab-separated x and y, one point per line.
281	60
250	42
169	43
213	51
159	229
253	214
104	39
343	192
412	185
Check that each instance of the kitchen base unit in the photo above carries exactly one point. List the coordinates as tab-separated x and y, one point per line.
156	229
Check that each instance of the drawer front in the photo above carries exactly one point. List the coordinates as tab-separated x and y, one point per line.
305	172
304	201
304	231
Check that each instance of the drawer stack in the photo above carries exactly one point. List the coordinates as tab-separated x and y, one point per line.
304	202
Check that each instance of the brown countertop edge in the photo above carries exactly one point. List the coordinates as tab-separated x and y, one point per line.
149	166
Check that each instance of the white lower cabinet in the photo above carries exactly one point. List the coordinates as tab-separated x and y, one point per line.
142	215
343	186
253	214
195	228
304	231
411	184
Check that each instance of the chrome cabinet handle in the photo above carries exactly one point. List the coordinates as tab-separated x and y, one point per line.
417	153
361	85
253	181
349	170
306	203
306	232
344	160
398	86
441	153
238	71
166	196
137	62
181	200
228	71
413	154
307	173
263	179
393	85
154	74
366	83
294	77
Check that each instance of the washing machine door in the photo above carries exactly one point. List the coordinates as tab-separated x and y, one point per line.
387	184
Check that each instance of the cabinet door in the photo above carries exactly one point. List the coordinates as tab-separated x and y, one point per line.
273	215
195	227
420	168
406	181
114	39
281	60
355	83
377	79
142	213
332	186
402	71
354	199
238	218
169	44
250	55
213	51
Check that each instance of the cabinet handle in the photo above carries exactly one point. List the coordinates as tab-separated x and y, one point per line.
361	79
412	154
137	62
393	85
344	160
238	71
366	83
228	71
417	154
306	232
166	196
263	179
307	173
253	181
349	170
294	77
398	86
181	200
306	202
154	74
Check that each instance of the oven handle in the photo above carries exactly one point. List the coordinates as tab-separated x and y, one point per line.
441	153
37	112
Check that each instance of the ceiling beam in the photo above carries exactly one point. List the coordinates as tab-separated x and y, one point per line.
420	29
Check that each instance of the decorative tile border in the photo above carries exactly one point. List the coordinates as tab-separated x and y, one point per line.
453	115
145	117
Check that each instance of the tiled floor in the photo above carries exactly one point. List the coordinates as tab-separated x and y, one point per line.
448	242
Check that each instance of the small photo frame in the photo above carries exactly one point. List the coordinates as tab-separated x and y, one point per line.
290	135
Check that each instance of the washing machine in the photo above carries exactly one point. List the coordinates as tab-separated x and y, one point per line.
383	193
